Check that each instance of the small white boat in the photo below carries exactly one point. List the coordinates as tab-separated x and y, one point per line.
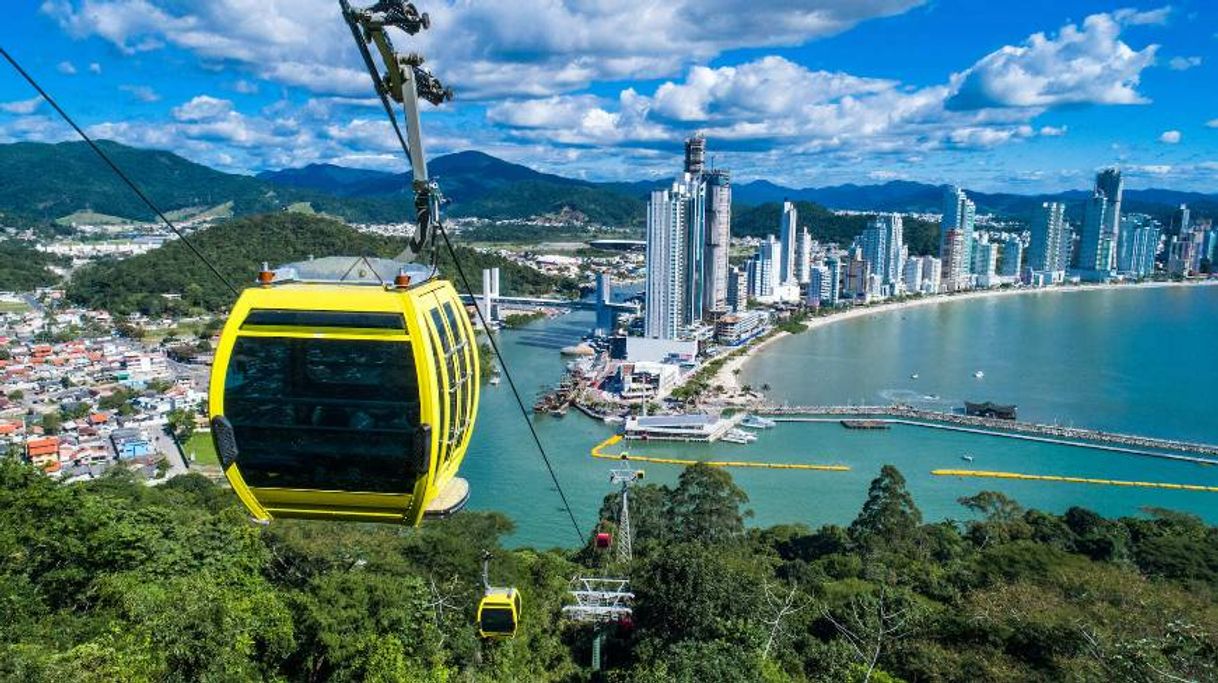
757	422
979	374
494	380
738	436
966	458
914	376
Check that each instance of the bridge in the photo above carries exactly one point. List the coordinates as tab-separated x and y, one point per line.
490	301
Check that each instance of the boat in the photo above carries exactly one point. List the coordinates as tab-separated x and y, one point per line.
930	397
979	374
738	436
494	380
966	458
914	376
757	422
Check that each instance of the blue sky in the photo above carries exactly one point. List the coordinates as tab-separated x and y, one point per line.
1017	96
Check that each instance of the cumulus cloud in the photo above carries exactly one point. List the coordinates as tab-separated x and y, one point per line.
202	108
1053	131
95	68
1212	123
491	49
21	107
1080	65
142	93
66	68
1170	137
1184	63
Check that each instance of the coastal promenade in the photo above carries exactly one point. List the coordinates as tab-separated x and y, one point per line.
1171	449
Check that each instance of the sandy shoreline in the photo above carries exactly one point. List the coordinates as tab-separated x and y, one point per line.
727	376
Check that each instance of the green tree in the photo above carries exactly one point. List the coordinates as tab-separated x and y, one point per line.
705	506
889	517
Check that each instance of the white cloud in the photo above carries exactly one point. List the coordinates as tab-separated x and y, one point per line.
245	87
1053	131
1087	65
1184	63
1212	123
141	93
1170	137
1132	17
489	49
202	108
67	68
95	68
21	107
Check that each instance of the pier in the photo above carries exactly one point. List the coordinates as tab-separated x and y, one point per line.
1073	480
598	452
1030	431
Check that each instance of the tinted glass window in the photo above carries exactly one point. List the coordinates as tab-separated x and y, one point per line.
462	361
497	620
323	413
351	319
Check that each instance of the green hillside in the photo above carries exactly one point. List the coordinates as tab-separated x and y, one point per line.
825	226
534	197
112	580
238	248
23	268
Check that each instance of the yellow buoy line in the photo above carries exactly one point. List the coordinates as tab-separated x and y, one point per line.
1073	480
597	452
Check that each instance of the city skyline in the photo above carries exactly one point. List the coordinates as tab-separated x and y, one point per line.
835	92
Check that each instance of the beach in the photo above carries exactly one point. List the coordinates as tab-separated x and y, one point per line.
727	375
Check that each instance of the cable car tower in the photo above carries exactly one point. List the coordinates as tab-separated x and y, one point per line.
602	601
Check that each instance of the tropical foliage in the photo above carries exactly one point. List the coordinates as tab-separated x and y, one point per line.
113	580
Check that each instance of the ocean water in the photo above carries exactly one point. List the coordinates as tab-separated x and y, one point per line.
1140	361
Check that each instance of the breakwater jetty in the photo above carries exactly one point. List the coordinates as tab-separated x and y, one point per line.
1172	449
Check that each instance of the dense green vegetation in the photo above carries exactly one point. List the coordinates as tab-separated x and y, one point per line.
535	197
238	248
825	226
112	580
23	268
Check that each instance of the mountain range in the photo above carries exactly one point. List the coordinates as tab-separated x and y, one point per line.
44	182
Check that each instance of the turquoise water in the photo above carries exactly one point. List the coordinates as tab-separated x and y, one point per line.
1139	361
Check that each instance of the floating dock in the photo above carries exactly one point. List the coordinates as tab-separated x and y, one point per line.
597	452
866	424
1073	480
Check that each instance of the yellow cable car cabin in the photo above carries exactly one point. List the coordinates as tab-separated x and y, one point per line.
346	398
499	613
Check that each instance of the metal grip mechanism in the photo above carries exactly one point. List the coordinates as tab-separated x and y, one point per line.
404	82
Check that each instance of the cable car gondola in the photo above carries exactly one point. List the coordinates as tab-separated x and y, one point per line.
499	609
346	400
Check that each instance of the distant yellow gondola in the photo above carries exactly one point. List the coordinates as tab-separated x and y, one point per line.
499	609
346	398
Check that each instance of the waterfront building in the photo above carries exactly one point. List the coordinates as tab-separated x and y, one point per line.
790	219
764	279
834	264
883	242
857	277
932	275
1183	257
1012	257
912	275
664	292
820	287
1137	246
803	256
606	316
737	290
735	329
956	239
1047	251
1101	227
985	261
718	242
1181	220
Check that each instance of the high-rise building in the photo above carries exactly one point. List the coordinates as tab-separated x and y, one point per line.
1182	255
883	241
858	277
1012	257
834	264
737	290
1139	243
695	154
718	241
693	192
985	260
790	221
818	285
1101	227
912	275
956	239
803	257
932	275
1046	255
763	280
666	219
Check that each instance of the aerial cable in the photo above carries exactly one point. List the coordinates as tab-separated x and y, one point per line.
384	94
118	171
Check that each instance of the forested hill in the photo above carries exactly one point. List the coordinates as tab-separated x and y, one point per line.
238	248
826	226
113	580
